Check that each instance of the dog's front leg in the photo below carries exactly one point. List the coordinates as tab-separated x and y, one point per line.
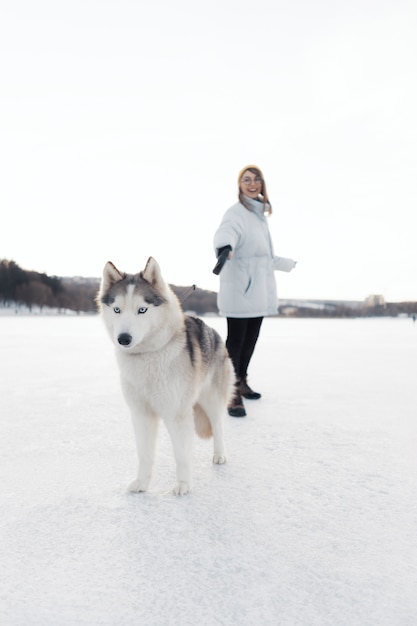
146	430
181	430
219	451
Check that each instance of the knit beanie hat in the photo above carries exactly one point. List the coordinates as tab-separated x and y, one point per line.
248	167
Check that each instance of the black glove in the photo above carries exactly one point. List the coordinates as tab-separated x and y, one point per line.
222	254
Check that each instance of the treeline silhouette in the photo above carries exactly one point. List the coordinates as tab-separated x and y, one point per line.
32	289
19	287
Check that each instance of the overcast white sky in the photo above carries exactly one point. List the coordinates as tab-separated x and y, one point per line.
124	124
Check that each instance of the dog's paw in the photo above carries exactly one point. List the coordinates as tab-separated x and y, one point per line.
181	488
219	459
138	486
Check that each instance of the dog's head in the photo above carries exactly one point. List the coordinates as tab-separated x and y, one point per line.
140	311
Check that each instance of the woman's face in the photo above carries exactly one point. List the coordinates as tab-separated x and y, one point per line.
251	184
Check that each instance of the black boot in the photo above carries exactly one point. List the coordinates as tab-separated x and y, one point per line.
247	392
236	408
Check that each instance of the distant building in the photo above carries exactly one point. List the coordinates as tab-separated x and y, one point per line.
374	300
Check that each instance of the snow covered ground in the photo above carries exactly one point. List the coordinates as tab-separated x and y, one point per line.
312	521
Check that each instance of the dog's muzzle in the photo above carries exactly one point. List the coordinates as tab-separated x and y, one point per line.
124	339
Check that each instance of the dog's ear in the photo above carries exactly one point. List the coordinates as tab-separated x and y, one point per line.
152	273
111	275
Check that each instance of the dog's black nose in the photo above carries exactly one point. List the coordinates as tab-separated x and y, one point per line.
124	339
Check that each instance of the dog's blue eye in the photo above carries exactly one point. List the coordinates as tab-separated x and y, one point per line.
142	310
116	309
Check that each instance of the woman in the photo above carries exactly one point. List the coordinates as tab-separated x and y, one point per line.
247	282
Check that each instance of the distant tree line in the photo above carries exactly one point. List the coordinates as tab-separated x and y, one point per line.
19	287
31	289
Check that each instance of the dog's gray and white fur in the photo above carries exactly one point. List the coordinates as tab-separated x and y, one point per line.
173	367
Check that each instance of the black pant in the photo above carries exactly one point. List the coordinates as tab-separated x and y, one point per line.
242	335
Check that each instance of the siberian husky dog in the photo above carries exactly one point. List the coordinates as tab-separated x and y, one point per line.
172	366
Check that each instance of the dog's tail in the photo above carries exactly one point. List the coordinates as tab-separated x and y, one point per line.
202	422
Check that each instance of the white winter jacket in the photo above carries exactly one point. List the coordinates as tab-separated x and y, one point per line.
247	280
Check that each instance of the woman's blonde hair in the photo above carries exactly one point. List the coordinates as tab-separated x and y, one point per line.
264	195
